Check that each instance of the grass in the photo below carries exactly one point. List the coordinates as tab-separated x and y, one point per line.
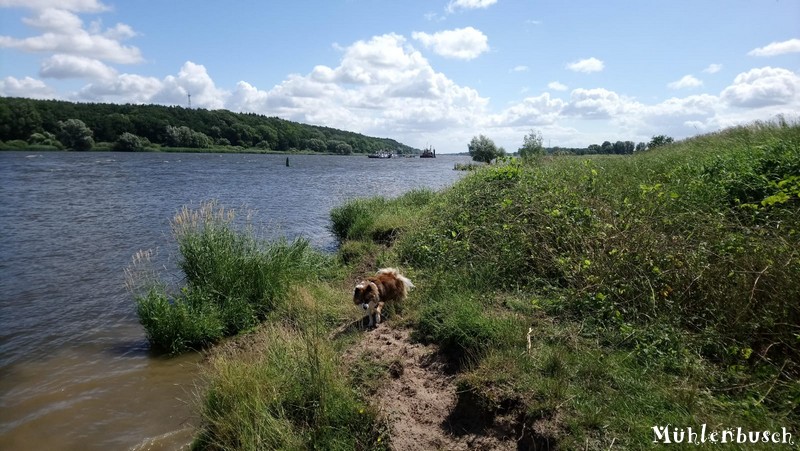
378	219
287	393
233	280
278	382
675	271
702	236
585	300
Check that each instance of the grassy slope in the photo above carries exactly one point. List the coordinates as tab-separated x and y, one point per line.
659	289
656	289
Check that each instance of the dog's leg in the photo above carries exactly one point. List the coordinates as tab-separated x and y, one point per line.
378	313
370	313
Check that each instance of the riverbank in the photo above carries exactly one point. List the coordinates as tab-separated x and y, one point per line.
576	303
109	147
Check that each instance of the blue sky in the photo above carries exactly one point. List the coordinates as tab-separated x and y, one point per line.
422	72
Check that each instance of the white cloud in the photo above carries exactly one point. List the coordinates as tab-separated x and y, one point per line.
26	87
540	110
520	68
381	86
687	81
469	4
587	65
54	20
777	48
62	32
557	86
763	87
70	66
191	79
461	43
713	68
125	88
172	90
597	103
120	32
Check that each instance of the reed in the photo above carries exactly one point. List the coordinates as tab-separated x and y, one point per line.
233	279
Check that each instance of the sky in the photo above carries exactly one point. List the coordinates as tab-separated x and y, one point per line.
423	72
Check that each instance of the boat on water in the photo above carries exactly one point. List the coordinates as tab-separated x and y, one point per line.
429	152
382	154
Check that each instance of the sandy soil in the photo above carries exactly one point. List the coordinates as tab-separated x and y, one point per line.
420	400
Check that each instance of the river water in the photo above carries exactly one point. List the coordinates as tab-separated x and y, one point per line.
75	367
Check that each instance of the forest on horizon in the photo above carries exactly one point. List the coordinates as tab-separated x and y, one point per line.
79	126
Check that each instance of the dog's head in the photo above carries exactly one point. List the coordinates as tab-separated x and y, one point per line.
365	292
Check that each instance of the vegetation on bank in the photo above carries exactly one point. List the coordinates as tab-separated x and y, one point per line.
54	124
590	299
656	289
661	288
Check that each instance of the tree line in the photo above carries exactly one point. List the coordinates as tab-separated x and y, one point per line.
616	148
80	126
483	149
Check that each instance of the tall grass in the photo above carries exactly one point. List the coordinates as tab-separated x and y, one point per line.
233	279
287	392
702	235
675	270
378	219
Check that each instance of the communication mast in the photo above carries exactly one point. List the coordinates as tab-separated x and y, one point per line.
190	99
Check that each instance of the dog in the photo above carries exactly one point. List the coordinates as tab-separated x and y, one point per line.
374	292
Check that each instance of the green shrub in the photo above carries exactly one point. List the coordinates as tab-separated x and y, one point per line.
189	321
233	279
128	142
701	234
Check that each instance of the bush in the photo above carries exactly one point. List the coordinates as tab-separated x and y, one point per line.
44	139
702	234
128	142
233	279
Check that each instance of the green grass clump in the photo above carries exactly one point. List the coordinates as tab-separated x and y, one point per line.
459	321
177	325
288	392
233	280
378	219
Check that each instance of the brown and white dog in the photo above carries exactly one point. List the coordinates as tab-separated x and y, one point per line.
373	292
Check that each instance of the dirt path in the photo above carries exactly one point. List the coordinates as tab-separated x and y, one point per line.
419	397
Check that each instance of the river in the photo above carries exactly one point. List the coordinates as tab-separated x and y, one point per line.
76	371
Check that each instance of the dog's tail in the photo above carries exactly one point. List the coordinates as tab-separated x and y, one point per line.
407	284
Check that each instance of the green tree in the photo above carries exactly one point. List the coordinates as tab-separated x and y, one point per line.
75	135
483	149
660	140
343	148
186	137
128	142
317	145
532	146
44	139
